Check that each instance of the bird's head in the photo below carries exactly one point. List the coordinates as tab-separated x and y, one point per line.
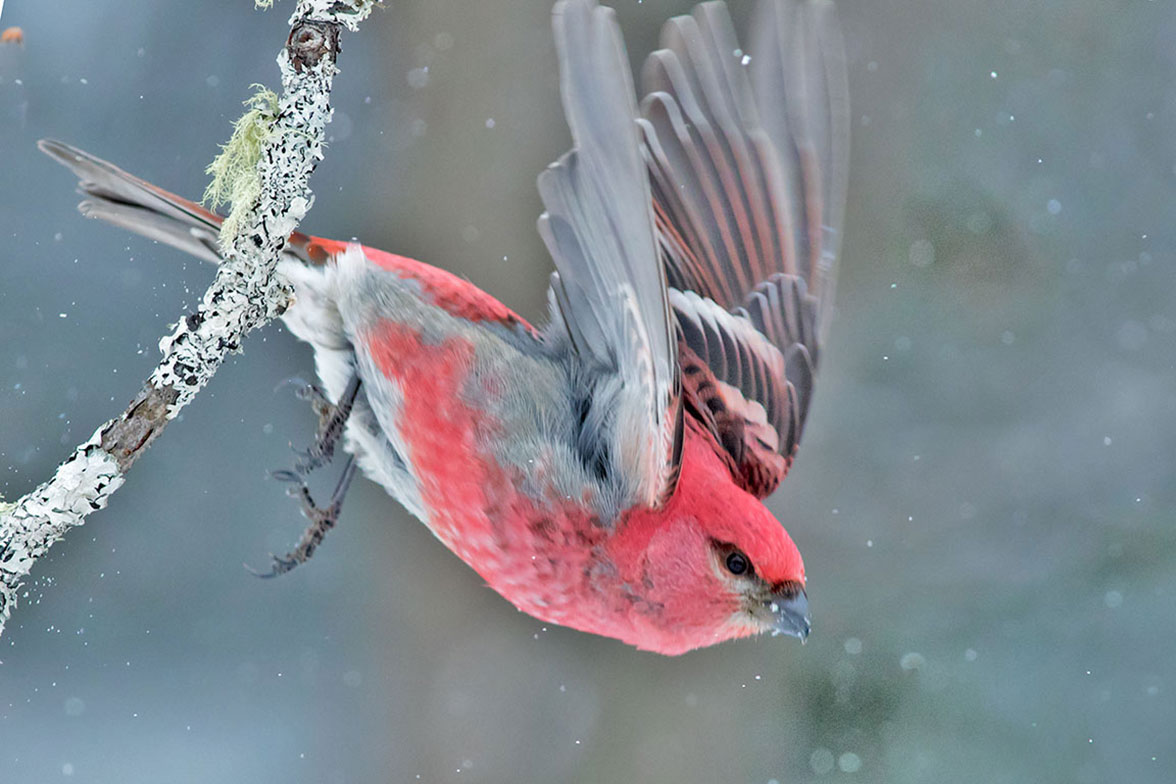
714	564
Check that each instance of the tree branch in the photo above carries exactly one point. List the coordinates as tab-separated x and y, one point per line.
245	294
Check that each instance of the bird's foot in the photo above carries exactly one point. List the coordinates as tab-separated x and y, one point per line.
322	518
332	422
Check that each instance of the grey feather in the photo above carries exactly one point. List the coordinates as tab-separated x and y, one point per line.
609	293
198	240
747	169
124	200
798	74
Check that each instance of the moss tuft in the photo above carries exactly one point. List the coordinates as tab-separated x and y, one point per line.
234	171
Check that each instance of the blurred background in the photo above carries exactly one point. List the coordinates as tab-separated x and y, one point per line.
984	498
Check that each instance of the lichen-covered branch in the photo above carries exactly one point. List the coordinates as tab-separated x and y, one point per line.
245	295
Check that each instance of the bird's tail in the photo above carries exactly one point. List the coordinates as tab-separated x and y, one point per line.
124	200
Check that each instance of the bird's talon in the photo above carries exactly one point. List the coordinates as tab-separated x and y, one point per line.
317	456
279	567
312	393
295	381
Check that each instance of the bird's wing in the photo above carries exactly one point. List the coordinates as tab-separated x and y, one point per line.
748	175
608	294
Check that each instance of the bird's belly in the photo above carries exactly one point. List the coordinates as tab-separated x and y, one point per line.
484	480
467	423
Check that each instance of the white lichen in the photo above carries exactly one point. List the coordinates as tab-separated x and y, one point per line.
30	526
348	14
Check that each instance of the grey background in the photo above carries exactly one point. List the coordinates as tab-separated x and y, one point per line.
984	497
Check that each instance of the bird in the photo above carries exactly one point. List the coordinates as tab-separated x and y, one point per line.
605	471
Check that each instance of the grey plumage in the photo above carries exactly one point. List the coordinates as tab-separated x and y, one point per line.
798	75
124	200
747	158
609	291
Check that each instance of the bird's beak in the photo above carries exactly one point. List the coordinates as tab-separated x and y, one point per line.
789	615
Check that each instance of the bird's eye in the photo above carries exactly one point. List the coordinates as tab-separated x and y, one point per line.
738	563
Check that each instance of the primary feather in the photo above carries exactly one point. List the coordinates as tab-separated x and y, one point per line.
748	175
609	291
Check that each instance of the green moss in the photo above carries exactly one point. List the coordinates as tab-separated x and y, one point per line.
234	171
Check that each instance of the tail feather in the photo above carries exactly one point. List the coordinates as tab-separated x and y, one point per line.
196	240
124	200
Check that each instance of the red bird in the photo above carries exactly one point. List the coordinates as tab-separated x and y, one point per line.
605	471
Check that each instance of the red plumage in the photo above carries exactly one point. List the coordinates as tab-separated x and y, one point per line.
447	291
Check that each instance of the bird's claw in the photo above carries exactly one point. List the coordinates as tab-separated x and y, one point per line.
314	458
308	391
280	566
332	423
322	518
292	381
312	393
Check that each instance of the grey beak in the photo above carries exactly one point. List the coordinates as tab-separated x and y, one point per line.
790	615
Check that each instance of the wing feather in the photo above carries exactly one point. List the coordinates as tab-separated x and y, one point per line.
609	290
747	167
798	75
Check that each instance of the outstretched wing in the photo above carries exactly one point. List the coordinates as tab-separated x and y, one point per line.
748	176
608	295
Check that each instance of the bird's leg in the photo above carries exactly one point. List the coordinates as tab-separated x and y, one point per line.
322	519
332	421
